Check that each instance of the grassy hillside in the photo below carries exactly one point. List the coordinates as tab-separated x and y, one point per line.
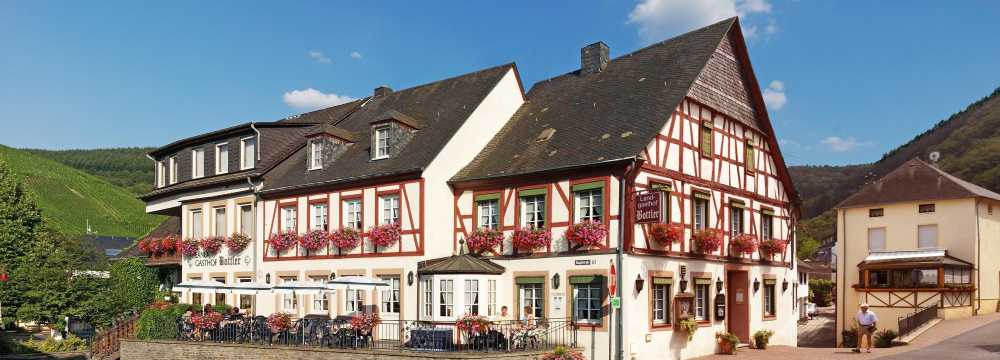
123	167
969	143
69	198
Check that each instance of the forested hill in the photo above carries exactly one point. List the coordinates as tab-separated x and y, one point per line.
969	143
71	198
128	168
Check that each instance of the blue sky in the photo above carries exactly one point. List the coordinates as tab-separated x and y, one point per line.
846	81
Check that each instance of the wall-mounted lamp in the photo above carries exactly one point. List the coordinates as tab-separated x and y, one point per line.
718	285
409	278
333	275
267	278
756	285
684	282
639	282
784	285
555	281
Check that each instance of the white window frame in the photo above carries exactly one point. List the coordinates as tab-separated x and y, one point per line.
536	301
321	300
382	144
197	163
221	158
446	298
876	230
491	297
700	214
389	207
242	223
353	217
354	300
320	216
702	304
661	303
736	223
766	226
769	300
488	211
932	229
427	287
161	174
289	302
289	218
585	294
173	170
391	295
196	232
592	210
537	211
251	162
215	220
315	154
471	296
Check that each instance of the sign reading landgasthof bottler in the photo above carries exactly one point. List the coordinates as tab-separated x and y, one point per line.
647	207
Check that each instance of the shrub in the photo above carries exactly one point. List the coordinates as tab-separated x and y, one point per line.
50	345
562	353
884	338
689	326
822	291
133	285
850	337
761	338
483	239
587	233
157	323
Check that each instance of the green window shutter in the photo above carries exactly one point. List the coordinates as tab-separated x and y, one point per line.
661	186
485	197
701	195
533	192
589	186
530	280
703	281
769	281
586	279
767	212
662	281
737	204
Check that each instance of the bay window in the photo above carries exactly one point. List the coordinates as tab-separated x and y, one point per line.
446	289
390	295
472	296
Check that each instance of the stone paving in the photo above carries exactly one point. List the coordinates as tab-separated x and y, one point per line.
820	331
945	330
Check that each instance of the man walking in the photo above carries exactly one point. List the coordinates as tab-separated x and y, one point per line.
866	327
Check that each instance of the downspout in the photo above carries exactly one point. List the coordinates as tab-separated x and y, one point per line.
843	272
256	198
979	262
253	126
624	185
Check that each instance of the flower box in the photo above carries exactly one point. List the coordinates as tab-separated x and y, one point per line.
483	239
706	241
237	242
211	245
528	239
743	244
586	234
385	235
771	247
283	241
346	239
314	240
666	234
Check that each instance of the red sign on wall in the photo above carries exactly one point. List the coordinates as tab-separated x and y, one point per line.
647	207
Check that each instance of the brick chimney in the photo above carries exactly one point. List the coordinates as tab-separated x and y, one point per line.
593	58
382	91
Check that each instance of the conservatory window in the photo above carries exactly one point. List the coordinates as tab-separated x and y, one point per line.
472	296
447	290
390	296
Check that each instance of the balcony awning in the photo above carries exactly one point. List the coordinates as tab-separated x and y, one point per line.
903	259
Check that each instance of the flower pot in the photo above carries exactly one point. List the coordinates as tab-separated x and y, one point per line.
726	347
760	344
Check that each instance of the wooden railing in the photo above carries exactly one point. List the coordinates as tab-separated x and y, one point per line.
107	343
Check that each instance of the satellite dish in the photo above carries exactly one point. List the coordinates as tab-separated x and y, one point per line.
934	156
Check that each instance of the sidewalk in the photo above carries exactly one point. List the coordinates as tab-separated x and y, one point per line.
942	331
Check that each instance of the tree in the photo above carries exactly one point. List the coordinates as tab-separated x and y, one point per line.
20	221
133	285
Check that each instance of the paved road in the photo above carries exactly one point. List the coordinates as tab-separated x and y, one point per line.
980	343
820	331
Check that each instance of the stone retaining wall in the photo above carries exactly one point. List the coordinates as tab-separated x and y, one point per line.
132	349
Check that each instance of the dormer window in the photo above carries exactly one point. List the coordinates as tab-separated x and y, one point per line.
173	170
221	158
315	154
382	142
248	152
197	163
161	174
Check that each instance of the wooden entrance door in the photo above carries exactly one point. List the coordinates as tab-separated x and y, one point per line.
738	297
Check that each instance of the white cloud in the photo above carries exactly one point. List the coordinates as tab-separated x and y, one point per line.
839	144
772	26
312	99
319	57
774	95
659	19
355	55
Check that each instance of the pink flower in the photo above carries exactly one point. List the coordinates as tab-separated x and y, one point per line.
385	235
587	233
743	244
211	245
484	239
771	247
365	322
188	247
667	233
707	241
528	239
473	324
169	243
314	240
279	322
283	241
346	238
237	242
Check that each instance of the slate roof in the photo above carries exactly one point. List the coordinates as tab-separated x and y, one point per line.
459	264
916	180
602	117
437	110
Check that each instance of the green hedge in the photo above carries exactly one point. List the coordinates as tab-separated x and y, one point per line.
822	291
160	323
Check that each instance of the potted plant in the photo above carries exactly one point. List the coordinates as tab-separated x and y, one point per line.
743	244
211	245
168	244
727	342
586	234
279	322
384	235
472	324
528	239
884	338
770	247
707	241
314	240
363	323
283	241
562	353
484	239
689	326
666	234
345	239
237	242
761	338
188	247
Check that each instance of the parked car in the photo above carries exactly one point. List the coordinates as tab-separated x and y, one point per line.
811	309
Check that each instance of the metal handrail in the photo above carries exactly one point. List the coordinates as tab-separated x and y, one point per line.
914	320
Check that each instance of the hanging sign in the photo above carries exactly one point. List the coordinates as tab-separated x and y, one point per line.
616	302
613	282
647	207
